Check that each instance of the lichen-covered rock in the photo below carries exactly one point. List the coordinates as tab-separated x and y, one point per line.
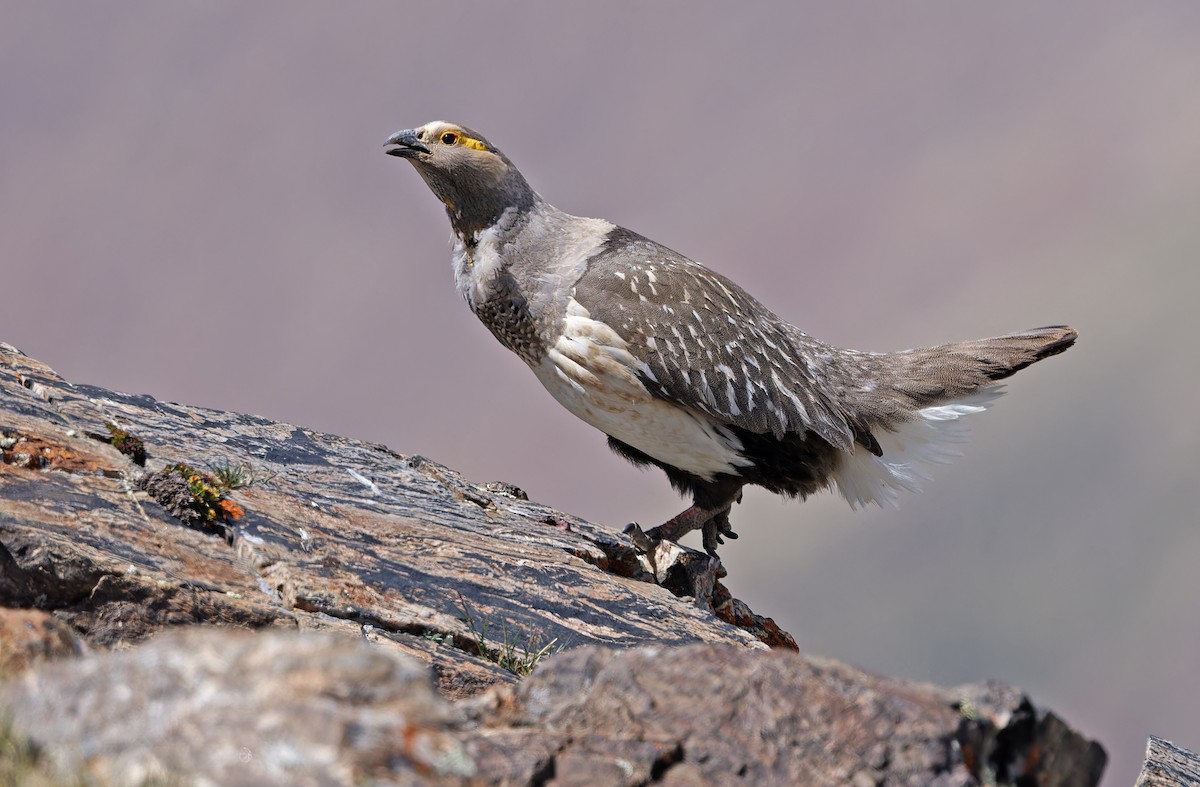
1168	765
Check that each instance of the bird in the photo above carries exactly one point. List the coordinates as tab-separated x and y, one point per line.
684	370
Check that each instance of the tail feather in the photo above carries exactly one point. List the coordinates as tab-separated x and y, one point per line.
1004	356
909	449
932	375
915	401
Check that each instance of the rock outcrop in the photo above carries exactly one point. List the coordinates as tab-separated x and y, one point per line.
1168	765
194	594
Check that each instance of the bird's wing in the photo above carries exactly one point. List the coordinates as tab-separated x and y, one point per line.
708	345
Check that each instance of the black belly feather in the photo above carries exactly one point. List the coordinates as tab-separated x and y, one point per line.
796	466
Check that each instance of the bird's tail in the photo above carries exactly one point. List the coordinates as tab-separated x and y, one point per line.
935	375
917	399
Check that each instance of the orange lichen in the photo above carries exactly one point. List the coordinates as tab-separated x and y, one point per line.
32	452
232	510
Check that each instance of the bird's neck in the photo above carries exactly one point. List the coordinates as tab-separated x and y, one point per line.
503	206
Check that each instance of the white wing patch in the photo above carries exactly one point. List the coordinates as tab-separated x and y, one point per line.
929	438
590	371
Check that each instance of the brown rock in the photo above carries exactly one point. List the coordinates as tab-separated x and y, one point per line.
340	535
385	564
30	636
780	718
289	708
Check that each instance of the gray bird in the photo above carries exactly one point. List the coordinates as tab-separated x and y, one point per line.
682	368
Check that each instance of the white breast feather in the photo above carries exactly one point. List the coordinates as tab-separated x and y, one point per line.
929	438
476	268
590	371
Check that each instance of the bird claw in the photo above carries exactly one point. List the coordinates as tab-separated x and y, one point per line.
642	541
714	529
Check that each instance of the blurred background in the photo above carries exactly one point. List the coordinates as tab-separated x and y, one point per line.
195	204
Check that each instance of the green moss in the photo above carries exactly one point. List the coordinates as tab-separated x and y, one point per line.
128	444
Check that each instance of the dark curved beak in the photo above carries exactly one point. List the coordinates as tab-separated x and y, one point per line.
404	144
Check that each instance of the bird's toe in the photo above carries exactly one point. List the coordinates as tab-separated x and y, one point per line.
643	541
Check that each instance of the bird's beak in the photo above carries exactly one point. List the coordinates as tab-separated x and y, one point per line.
404	144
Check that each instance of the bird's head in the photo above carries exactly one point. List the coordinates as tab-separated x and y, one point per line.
470	175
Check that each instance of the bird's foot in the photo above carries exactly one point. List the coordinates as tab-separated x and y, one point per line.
683	571
642	541
714	528
713	524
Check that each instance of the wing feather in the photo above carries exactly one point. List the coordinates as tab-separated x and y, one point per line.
706	344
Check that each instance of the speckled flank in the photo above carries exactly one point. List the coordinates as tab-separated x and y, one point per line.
590	371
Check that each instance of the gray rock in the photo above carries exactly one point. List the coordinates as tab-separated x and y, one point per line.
215	706
1168	765
705	714
235	708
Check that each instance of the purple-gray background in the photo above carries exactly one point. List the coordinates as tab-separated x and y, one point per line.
195	204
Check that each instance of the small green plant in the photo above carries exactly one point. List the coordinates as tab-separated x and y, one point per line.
509	652
128	444
237	475
207	497
193	497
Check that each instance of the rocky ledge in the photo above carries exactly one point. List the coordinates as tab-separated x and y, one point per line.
212	597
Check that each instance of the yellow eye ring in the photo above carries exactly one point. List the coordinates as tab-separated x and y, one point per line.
449	138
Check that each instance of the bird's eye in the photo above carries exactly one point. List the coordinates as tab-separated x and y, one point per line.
449	138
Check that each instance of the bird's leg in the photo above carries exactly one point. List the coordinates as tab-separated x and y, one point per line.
714	522
672	530
682	523
709	513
